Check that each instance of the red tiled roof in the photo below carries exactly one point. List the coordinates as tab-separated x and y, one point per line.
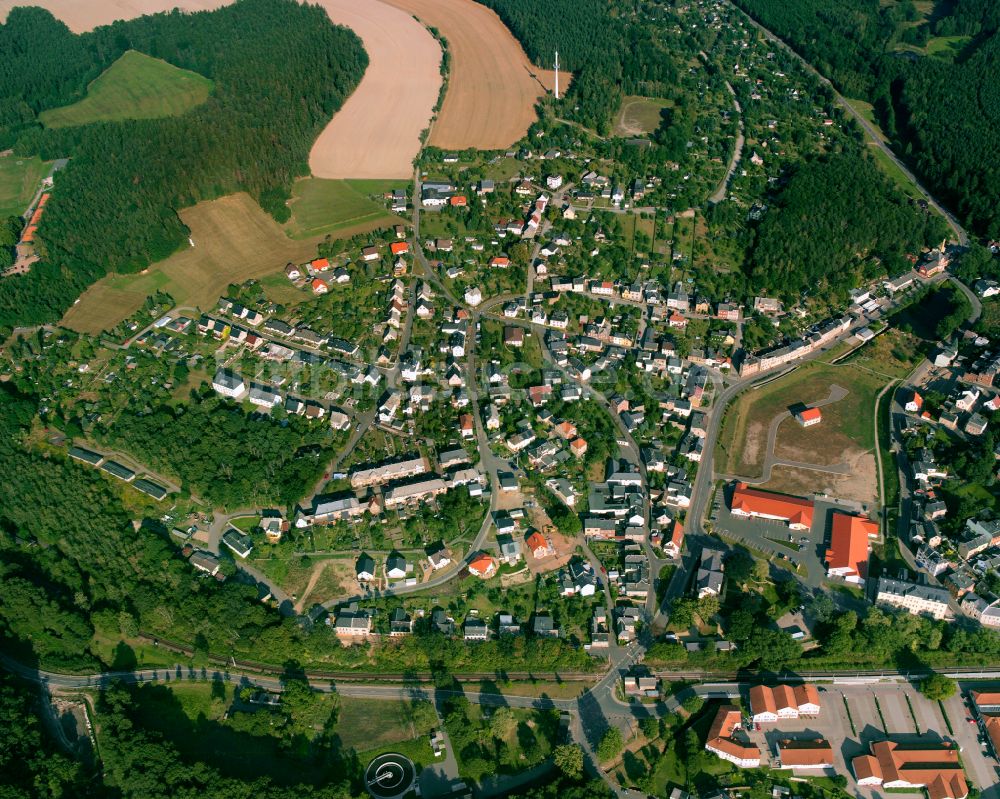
320	263
935	766
399	247
849	543
481	564
765	503
815	752
537	541
810	413
727	720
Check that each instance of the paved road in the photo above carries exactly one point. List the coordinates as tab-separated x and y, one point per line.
869	129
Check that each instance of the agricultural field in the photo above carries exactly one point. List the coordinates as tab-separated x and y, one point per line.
639	116
377	132
234	240
82	17
321	206
492	87
19	180
136	86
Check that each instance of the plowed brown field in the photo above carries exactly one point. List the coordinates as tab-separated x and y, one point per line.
492	87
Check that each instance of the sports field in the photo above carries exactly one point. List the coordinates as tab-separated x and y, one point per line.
136	86
492	87
19	180
327	206
639	116
377	132
234	240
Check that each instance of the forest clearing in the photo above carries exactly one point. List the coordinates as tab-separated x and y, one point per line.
492	87
136	86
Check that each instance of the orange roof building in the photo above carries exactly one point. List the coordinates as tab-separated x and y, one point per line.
676	542
722	743
482	565
538	545
320	264
797	512
770	704
809	417
320	286
992	724
501	261
399	247
847	556
812	753
934	766
458	201
578	446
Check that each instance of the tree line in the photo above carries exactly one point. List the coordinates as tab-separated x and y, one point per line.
940	112
280	69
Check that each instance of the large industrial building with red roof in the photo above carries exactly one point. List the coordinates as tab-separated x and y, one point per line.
770	704
847	556
797	512
722	742
933	766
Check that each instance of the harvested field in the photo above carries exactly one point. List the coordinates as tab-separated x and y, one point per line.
492	87
234	241
377	132
86	16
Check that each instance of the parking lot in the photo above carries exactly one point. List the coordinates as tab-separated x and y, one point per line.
797	547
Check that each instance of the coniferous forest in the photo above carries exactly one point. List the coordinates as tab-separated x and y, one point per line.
280	70
939	105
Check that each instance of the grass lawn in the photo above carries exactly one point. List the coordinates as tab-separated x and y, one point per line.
19	180
136	86
362	729
322	206
638	116
234	240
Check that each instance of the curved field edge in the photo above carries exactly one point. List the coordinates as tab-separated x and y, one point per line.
136	86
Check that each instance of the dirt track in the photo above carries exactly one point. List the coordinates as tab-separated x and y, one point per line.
492	87
377	132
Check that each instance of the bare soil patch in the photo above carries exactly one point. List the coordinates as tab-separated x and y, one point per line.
860	485
492	86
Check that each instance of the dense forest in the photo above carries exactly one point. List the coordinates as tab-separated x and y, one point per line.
836	222
610	49
939	107
280	69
